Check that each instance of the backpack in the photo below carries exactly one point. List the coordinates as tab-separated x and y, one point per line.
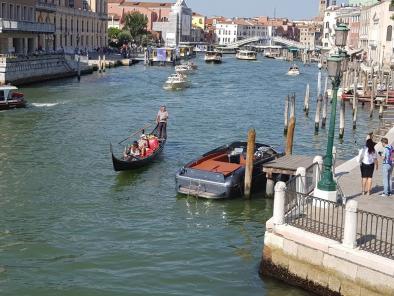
390	159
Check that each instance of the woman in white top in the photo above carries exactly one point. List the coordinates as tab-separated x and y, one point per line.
368	161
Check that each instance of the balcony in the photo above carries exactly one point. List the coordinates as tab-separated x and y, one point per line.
24	26
46	7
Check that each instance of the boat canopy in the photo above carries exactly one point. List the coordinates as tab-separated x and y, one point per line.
6	91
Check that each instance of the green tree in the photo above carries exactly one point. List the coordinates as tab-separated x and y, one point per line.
113	33
136	23
124	37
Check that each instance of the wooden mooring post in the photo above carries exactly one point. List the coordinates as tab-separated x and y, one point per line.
104	65
342	119
317	115
306	100
324	111
355	100
79	68
286	115
99	64
249	162
290	133
373	90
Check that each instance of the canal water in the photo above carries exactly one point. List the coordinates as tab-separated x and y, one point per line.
70	225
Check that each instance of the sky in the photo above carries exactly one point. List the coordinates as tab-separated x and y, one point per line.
293	9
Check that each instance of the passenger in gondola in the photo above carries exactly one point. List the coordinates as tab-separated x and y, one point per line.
132	152
143	143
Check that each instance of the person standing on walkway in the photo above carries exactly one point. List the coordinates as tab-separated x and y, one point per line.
161	119
387	167
368	161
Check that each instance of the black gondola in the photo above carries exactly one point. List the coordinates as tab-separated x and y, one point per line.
125	165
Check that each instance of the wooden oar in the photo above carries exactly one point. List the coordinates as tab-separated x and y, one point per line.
146	126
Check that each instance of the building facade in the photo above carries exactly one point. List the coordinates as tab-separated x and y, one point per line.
154	11
376	32
78	24
310	34
363	2
231	31
178	28
20	32
334	14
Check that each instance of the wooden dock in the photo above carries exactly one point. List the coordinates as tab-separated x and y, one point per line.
287	165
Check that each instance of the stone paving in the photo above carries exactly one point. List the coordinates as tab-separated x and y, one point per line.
349	178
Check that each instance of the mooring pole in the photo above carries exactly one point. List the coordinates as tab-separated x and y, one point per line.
79	68
317	115
306	100
249	162
104	63
290	133
286	115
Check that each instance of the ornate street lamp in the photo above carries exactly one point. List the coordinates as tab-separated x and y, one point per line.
336	64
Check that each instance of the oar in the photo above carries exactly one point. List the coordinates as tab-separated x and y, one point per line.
146	126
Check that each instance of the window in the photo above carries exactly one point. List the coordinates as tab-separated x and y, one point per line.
3	10
327	25
18	12
24	13
11	12
389	33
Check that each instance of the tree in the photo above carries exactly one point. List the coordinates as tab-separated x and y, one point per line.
113	33
124	37
136	23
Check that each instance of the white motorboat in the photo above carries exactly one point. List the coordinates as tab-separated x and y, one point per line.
183	69
247	55
176	82
293	70
213	57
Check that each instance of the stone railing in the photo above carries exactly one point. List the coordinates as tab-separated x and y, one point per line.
25	26
294	205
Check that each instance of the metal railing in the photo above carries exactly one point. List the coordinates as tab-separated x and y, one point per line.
25	26
318	216
375	233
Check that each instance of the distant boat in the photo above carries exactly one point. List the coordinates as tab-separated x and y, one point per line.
214	57
220	173
155	147
293	70
10	99
176	82
247	55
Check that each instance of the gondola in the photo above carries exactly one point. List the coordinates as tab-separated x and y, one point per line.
120	164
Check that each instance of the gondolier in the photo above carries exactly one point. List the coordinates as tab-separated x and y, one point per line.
161	119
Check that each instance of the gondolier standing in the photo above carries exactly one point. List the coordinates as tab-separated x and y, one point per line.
162	117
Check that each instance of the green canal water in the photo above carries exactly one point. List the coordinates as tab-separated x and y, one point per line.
70	225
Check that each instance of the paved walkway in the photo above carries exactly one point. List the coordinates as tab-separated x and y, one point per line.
349	178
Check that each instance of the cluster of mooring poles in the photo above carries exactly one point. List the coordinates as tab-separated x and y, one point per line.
359	85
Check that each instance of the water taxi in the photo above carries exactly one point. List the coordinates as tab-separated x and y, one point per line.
293	70
213	57
10	99
219	173
185	69
176	82
247	55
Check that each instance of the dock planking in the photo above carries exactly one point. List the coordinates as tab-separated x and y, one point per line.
287	165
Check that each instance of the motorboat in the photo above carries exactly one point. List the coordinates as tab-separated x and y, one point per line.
10	98
247	55
176	82
293	70
186	68
214	57
219	173
183	69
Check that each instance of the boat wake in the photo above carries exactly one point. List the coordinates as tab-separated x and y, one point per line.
41	105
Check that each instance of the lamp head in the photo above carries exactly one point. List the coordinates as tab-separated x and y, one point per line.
341	32
334	66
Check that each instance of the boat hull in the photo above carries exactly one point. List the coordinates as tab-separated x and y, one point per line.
12	104
214	185
213	61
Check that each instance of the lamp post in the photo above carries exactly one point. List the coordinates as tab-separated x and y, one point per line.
327	187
